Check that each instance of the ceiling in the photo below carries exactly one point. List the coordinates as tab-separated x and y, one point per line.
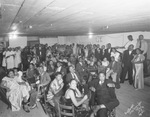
73	17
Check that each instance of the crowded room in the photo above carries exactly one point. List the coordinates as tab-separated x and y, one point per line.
74	58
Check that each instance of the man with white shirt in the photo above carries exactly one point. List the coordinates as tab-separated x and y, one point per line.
142	44
127	43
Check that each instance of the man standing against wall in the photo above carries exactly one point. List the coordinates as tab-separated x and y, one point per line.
142	44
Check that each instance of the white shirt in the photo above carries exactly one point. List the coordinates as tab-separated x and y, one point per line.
116	55
105	63
130	52
126	45
75	76
144	46
58	69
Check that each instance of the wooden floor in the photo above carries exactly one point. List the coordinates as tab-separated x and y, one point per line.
36	112
127	96
133	102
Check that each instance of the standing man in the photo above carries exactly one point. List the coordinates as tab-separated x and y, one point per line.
126	44
102	52
1	52
127	64
142	44
108	52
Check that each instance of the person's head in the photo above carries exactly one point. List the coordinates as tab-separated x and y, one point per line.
131	47
41	69
112	58
80	59
71	69
103	47
51	62
105	59
101	77
138	51
11	74
109	45
113	50
33	59
31	66
141	37
58	77
73	84
59	64
98	45
99	63
15	71
130	38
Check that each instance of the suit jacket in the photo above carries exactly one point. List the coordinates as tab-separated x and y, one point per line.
80	68
45	78
116	67
63	70
97	53
126	60
70	77
102	54
105	95
108	54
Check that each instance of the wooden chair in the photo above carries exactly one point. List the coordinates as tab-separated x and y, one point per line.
112	113
47	107
4	98
66	111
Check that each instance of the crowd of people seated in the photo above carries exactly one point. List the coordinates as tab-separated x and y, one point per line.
85	76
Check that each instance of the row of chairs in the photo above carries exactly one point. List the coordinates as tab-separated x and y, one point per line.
65	110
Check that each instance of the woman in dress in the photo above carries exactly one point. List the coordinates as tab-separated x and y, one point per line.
16	93
73	95
138	69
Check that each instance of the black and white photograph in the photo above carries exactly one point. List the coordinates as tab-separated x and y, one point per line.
74	58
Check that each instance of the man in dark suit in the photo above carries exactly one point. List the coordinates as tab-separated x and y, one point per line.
108	52
73	75
97	53
127	64
80	68
104	93
61	68
102	52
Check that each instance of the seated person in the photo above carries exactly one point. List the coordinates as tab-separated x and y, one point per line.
31	73
55	91
15	92
50	67
100	67
34	61
74	96
81	67
73	74
104	95
115	54
105	62
61	68
92	69
113	70
19	80
44	78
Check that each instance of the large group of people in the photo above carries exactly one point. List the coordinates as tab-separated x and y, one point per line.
74	72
